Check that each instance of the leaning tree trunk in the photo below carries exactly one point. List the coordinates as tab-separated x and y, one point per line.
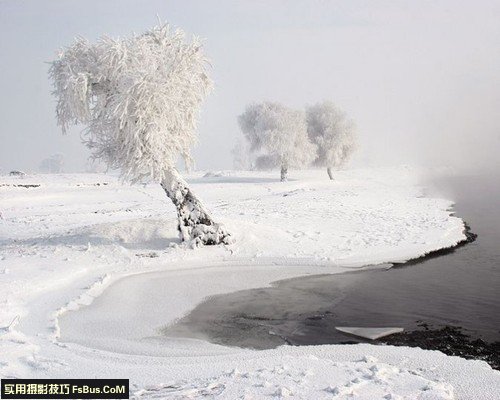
195	222
284	172
330	173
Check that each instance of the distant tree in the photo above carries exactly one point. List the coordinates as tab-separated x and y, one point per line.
266	162
53	165
139	98
241	156
93	166
279	132
334	134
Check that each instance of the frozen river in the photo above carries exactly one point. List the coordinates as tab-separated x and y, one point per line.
459	289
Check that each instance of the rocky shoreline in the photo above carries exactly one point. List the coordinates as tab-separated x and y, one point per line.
450	340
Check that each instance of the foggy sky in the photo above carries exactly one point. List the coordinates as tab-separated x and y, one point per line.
420	78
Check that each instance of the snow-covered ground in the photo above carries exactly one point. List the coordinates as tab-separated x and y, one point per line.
62	243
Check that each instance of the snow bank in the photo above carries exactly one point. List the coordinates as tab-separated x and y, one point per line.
308	377
64	238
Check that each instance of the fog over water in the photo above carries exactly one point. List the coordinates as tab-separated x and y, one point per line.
420	78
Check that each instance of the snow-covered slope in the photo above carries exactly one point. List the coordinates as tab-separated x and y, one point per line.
65	238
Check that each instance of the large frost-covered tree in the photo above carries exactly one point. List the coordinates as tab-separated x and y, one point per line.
139	99
280	132
334	134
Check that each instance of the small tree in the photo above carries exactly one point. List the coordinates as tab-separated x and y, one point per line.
53	164
241	156
95	166
334	134
280	132
139	99
266	162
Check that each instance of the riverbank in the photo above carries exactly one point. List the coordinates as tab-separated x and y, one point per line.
67	242
445	300
451	341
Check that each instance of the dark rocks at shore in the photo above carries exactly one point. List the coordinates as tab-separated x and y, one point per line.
451	341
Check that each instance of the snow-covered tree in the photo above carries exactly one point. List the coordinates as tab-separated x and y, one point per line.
279	132
53	164
139	99
334	134
241	156
94	166
266	162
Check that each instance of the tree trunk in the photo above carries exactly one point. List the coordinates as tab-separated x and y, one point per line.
284	172
330	173
195	222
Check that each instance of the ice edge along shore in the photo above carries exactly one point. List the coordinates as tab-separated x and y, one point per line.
69	233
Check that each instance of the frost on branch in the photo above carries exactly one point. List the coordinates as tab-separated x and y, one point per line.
279	132
139	99
334	134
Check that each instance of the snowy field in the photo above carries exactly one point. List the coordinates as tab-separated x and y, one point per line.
65	238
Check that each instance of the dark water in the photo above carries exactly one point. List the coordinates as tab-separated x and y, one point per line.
459	289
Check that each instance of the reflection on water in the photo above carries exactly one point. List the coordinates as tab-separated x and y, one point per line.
458	289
